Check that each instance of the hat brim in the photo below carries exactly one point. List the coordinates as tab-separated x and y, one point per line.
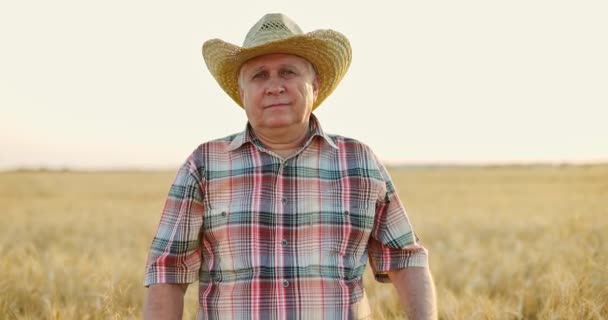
329	52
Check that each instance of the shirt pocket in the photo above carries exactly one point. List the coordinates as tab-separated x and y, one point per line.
359	219
362	214
215	227
346	234
229	238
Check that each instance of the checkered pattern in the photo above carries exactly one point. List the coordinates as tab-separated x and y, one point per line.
273	238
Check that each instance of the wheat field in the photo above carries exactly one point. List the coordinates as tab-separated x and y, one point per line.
510	242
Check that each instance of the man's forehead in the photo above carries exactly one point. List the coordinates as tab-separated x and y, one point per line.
274	59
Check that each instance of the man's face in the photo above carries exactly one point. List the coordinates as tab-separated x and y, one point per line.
277	90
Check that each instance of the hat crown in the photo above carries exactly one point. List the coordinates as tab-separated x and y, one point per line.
272	27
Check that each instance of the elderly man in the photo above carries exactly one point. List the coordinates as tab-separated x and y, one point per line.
279	221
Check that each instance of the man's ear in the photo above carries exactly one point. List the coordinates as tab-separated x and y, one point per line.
315	87
239	79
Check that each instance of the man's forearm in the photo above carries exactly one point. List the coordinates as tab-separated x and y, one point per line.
416	292
165	301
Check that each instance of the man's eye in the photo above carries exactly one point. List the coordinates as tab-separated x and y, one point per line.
287	72
260	75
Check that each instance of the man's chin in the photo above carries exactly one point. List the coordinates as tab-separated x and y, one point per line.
280	122
273	124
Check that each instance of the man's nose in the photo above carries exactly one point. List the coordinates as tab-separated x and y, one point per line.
275	86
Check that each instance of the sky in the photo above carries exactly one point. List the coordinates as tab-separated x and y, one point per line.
122	84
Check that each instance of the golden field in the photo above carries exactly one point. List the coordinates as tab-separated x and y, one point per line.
519	242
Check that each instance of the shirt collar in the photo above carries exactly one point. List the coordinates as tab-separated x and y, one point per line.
248	136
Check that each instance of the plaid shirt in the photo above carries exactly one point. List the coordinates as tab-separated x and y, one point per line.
274	238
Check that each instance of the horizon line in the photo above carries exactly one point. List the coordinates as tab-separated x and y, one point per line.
389	164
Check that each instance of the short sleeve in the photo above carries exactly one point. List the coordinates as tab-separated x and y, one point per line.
174	255
393	244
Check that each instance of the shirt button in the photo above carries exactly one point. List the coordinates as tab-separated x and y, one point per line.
284	242
223	213
346	213
285	283
284	200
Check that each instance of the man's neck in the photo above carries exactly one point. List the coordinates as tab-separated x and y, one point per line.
283	141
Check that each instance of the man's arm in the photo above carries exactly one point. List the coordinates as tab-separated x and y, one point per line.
416	292
165	301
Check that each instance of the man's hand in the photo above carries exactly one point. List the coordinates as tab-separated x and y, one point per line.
416	292
165	301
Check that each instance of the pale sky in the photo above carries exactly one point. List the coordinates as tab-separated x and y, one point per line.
122	84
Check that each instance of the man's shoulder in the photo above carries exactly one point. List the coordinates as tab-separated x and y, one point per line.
218	144
339	137
351	144
224	140
211	149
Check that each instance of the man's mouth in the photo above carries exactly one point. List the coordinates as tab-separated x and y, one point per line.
276	105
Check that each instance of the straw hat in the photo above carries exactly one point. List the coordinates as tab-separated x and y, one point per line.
328	51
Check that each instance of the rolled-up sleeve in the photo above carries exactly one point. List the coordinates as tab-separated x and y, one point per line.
174	255
393	244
